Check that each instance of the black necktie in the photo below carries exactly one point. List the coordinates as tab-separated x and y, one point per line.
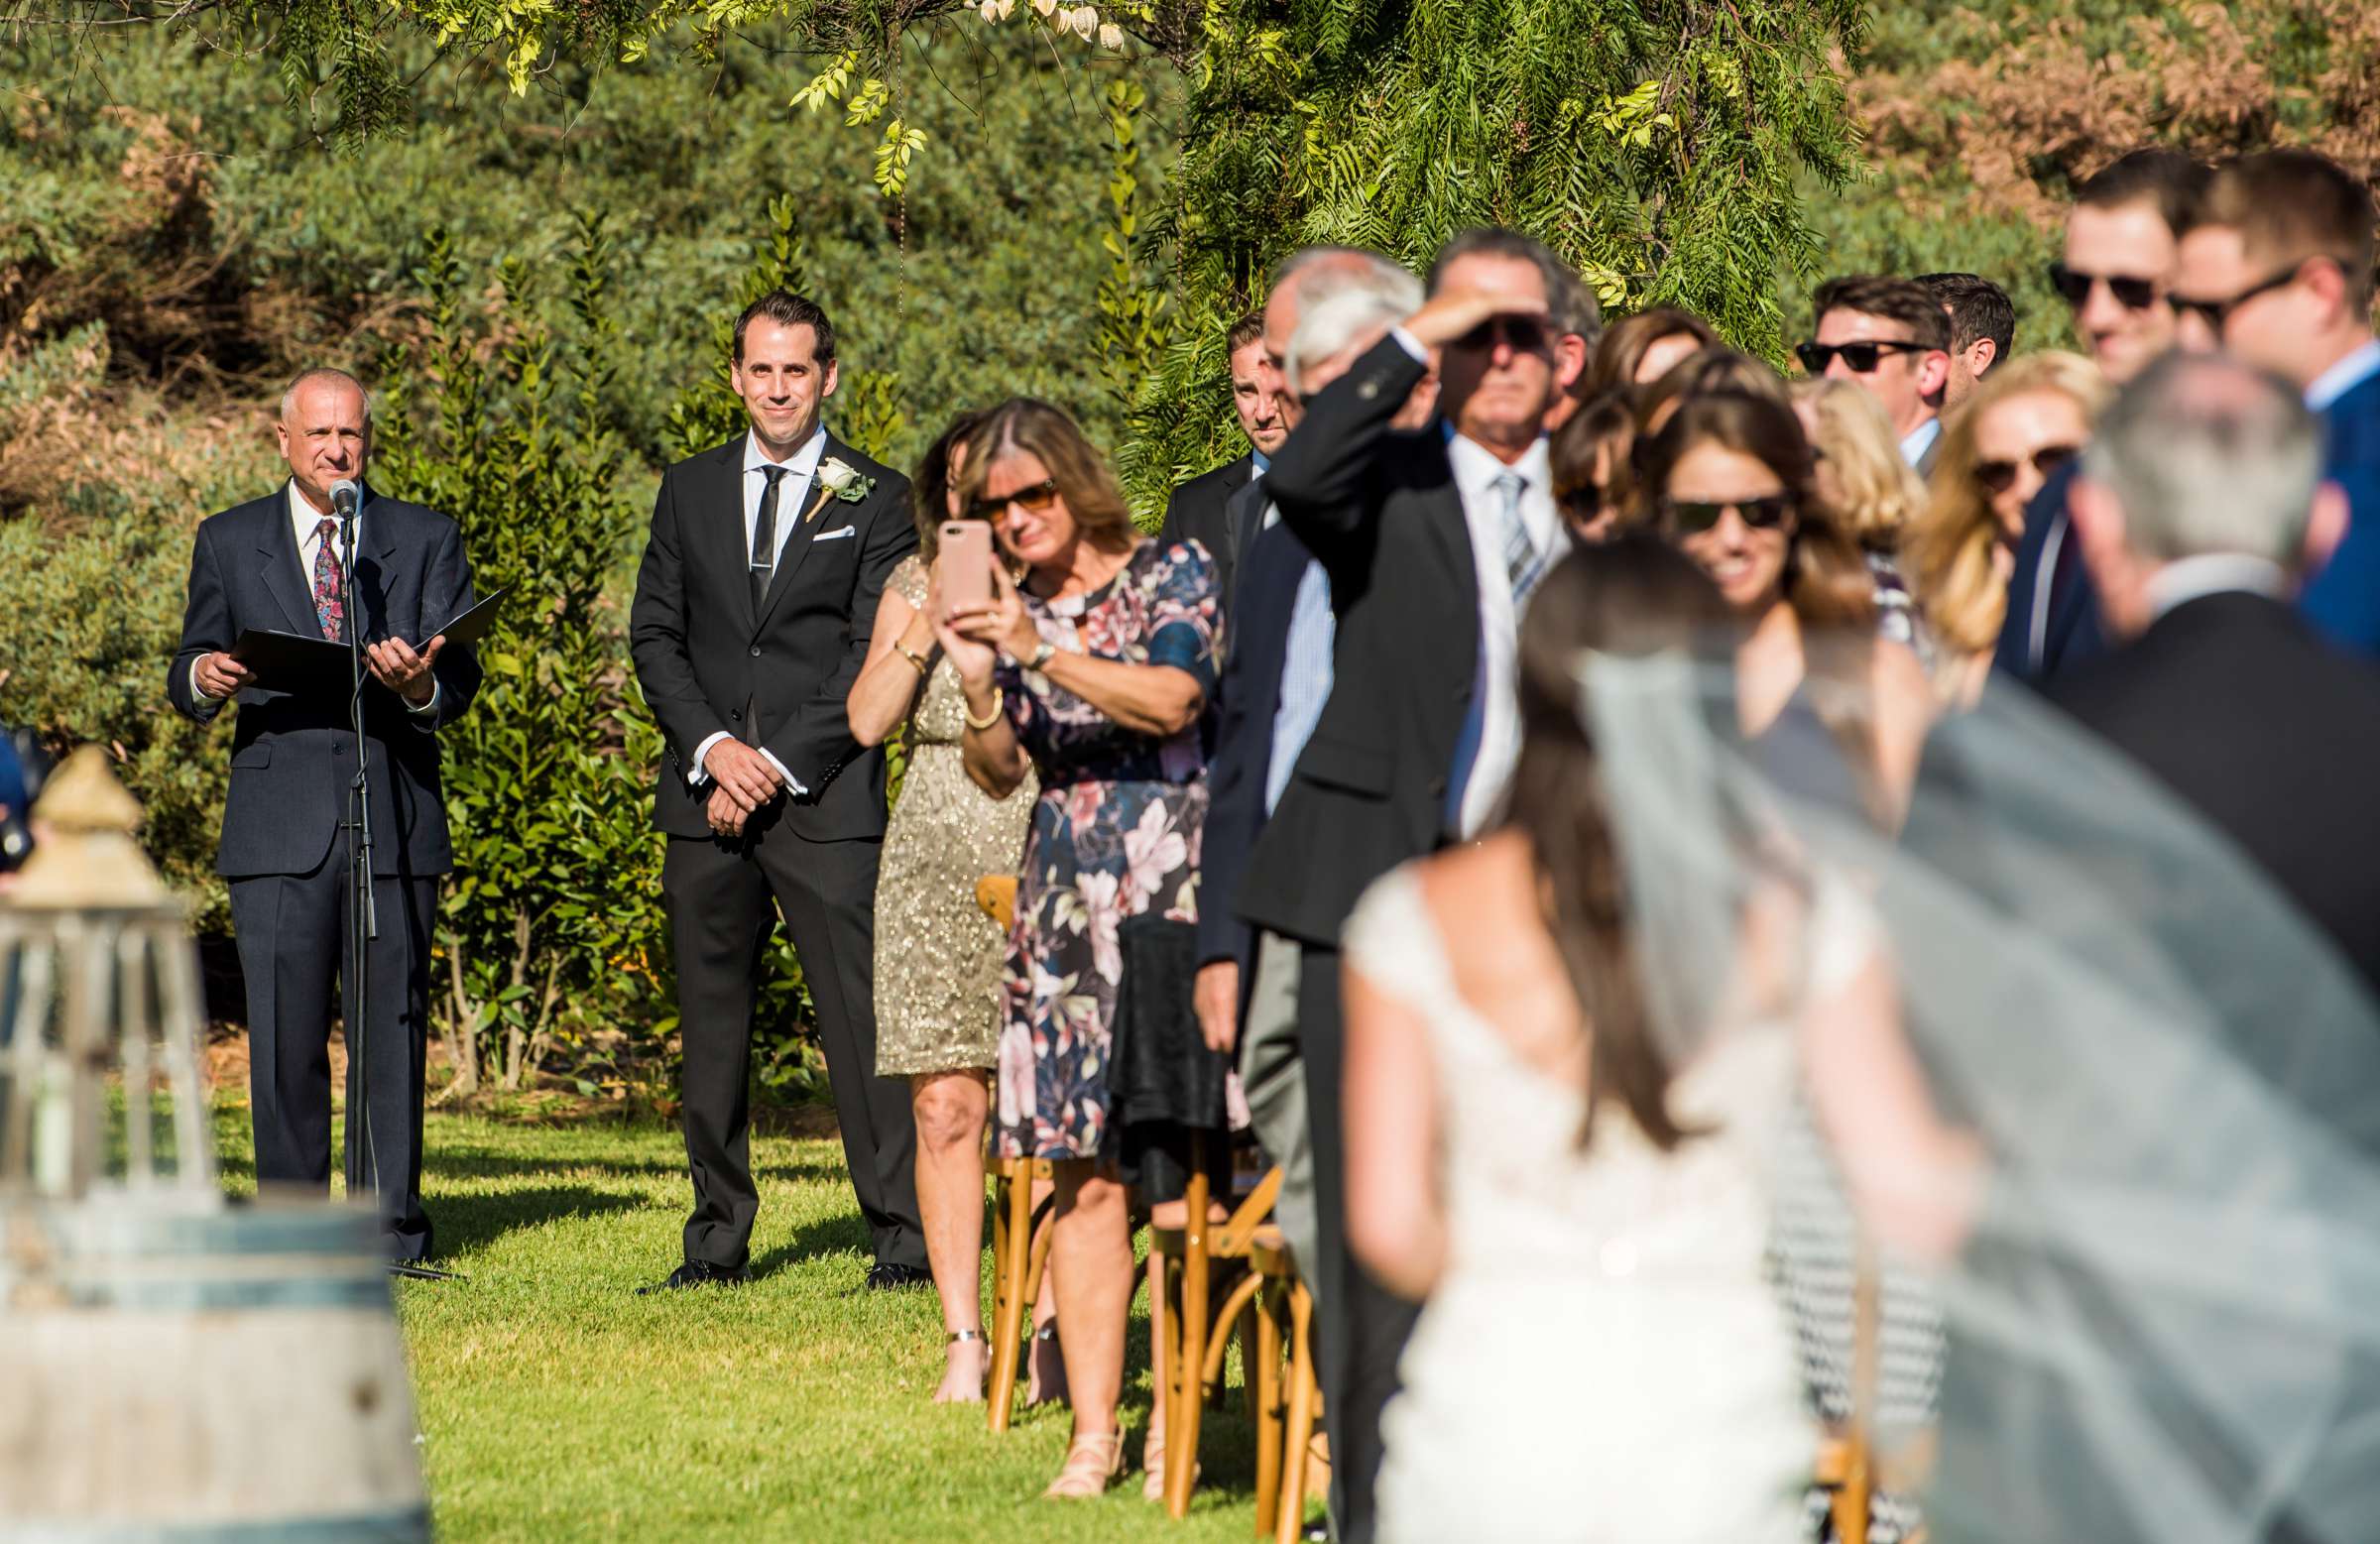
763	540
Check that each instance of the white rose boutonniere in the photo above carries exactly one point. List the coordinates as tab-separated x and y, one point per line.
841	479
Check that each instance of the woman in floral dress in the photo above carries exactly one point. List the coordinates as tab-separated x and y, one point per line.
1096	673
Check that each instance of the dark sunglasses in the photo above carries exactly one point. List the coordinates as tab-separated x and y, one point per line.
2000	476
1033	501
1862	358
1690	518
2073	288
2217	312
1526	334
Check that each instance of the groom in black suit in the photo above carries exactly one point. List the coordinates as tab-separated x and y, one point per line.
276	564
753	608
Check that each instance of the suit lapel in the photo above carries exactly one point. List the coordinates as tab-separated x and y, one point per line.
279	563
717	493
799	540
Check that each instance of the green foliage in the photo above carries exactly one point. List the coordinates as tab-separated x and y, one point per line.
1134	325
547	923
1657	147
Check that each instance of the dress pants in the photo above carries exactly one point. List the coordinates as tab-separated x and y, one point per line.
292	932
1361	1325
719	892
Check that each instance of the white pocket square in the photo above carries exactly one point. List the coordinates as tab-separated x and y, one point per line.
834	536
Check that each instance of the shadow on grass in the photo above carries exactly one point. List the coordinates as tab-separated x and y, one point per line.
473	1220
844	1233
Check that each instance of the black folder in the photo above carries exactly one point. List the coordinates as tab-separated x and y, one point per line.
296	661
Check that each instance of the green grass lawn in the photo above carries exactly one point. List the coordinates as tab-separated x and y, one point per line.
556	1405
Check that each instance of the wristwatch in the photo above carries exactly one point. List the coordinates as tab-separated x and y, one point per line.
1043	656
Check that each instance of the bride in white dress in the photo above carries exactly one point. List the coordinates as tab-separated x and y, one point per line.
1603	1356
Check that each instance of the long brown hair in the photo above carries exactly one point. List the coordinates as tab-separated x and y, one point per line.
1093	499
1634	595
1827	580
929	488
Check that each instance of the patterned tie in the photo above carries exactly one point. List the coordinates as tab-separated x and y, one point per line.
331	591
763	540
1524	565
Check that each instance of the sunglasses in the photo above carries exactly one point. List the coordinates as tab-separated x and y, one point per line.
1525	334
2000	476
1862	358
1033	501
2217	312
2073	288
1692	519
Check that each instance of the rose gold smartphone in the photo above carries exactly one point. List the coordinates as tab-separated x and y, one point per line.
966	564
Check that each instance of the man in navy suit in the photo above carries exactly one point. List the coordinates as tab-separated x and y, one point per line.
2116	271
2276	267
277	564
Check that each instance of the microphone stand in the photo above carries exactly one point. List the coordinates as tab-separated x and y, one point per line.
363	916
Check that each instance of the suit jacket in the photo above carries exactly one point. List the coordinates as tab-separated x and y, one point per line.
2071	632
2235	703
1383	514
777	681
2343	598
292	752
1201	511
1274	563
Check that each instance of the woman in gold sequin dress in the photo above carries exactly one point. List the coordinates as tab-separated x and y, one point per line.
938	958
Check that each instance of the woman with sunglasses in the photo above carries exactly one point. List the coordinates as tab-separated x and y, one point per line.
2028	418
1589	458
937	956
1096	670
1730	478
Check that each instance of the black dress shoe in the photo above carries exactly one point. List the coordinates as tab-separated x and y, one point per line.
694	1273
883	1276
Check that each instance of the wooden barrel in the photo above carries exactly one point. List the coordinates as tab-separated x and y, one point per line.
183	1372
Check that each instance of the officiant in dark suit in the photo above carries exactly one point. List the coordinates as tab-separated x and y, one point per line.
1208	508
753	608
277	564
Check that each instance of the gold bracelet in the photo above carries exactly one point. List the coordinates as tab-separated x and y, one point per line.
914	657
1000	700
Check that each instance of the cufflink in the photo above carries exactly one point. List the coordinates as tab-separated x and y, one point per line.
1367	389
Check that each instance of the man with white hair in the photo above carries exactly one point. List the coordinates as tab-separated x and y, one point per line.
278	565
1274	684
2200	508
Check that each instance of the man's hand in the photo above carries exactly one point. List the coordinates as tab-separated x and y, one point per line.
395	666
725	814
1453	312
743	774
221	676
1215	997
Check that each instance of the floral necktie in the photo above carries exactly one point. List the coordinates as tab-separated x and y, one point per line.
330	590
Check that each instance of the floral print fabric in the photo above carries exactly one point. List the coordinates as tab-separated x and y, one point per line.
1114	835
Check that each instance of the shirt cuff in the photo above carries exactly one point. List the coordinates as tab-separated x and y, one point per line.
196	692
1410	344
425	709
695	774
792	782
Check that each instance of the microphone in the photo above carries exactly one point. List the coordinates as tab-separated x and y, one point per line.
345	495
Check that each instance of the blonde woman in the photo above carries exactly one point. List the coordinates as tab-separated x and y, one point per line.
1870	485
2028	418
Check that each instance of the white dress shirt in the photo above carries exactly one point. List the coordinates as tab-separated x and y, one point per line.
1475	471
1920	440
793	492
2186	579
306	524
2343	377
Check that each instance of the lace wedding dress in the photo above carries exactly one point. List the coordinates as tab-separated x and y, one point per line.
1603	1357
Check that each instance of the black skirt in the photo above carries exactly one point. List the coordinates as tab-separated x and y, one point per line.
1165	1089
